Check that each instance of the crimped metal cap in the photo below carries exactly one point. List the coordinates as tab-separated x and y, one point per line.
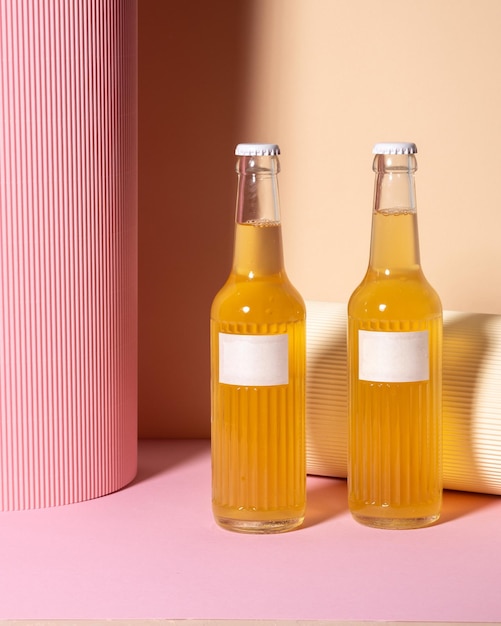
257	149
395	147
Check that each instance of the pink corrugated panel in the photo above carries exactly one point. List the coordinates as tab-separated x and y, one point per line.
68	250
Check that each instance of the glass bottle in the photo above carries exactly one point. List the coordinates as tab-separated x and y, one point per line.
395	363
258	355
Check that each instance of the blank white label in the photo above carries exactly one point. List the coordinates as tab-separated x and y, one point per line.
253	360
393	357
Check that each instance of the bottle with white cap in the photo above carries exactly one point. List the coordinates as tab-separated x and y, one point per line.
395	363
258	355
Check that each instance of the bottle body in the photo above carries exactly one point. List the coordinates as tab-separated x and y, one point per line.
258	388
395	381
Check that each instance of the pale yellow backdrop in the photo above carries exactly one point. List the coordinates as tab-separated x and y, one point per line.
325	79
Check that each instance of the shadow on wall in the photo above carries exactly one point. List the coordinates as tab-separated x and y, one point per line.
192	66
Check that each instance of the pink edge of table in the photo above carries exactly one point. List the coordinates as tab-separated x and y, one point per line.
153	551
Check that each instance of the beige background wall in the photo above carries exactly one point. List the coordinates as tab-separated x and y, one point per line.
325	79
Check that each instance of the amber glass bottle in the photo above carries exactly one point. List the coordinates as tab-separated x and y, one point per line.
395	363
258	366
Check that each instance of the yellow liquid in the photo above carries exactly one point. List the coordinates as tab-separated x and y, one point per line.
395	429
258	433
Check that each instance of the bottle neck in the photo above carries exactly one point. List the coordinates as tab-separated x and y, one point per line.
394	239
258	246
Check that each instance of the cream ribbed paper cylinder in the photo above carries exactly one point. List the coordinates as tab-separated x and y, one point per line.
471	396
68	251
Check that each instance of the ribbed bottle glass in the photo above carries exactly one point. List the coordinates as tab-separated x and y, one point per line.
258	366
395	363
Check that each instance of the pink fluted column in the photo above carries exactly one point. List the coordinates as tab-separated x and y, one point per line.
68	250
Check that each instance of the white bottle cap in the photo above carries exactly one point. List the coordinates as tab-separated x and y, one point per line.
395	147
257	149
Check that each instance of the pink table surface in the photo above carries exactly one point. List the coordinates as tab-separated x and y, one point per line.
153	551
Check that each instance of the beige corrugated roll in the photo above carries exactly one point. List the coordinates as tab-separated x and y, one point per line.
471	396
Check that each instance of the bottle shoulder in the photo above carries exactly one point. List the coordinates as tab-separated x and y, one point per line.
270	298
397	295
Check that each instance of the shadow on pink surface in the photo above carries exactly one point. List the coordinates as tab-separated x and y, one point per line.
458	504
154	459
328	499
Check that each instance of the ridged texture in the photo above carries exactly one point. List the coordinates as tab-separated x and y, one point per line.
68	250
258	439
471	396
396	434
